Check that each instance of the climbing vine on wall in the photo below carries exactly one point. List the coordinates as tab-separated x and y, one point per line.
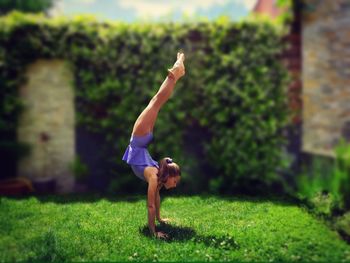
232	99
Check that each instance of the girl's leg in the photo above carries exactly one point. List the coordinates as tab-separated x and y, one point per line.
145	122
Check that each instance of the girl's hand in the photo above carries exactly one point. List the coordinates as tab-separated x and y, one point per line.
164	220
161	235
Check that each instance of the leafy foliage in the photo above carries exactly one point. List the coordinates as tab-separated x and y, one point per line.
27	6
232	100
79	168
326	185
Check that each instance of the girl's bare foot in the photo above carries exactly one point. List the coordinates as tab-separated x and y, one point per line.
178	70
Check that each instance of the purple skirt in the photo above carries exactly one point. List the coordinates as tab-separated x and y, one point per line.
137	155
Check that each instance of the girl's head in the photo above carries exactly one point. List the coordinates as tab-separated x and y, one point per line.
169	173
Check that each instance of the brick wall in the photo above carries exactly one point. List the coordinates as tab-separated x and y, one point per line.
47	123
326	75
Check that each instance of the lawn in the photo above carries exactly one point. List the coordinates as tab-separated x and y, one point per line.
203	228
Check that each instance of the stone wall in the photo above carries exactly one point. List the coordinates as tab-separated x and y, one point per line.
326	75
47	123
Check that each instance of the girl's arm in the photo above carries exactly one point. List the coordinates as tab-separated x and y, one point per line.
160	220
151	208
158	207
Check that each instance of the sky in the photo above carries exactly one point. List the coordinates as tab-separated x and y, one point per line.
155	10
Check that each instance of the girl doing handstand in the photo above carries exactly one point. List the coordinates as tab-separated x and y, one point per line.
165	173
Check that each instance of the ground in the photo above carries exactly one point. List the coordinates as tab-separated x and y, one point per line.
203	228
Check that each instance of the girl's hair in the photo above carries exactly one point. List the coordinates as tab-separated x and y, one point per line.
167	168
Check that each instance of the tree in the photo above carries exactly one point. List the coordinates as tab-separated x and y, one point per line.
26	6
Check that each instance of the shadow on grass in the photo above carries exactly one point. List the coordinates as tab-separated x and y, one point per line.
175	233
183	234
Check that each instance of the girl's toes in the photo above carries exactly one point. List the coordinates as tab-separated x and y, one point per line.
182	57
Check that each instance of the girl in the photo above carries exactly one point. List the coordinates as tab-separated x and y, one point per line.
165	173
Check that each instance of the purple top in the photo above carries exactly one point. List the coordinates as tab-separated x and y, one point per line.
137	154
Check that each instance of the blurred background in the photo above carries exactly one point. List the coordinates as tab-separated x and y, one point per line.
263	106
131	11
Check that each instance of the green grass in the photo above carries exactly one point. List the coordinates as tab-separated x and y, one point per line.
77	228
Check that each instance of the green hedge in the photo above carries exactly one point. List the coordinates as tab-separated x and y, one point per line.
223	124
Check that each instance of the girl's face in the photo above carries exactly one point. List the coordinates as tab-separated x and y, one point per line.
172	182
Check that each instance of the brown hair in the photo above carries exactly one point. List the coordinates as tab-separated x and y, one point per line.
167	168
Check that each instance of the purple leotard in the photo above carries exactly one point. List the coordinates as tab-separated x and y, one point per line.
137	155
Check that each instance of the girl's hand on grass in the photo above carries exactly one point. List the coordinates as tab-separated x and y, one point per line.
161	235
164	220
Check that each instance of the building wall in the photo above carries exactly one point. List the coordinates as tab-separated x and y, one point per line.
325	75
47	123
